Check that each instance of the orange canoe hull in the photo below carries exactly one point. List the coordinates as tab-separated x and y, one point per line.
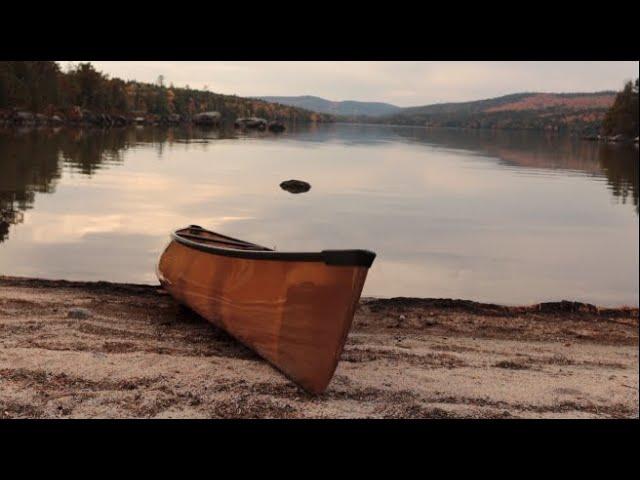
294	310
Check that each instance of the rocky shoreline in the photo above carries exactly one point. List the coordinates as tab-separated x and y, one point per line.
76	117
98	349
81	117
610	139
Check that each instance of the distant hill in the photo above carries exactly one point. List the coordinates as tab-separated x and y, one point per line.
347	108
538	111
581	112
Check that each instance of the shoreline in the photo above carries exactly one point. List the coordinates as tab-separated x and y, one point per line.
109	350
228	123
471	305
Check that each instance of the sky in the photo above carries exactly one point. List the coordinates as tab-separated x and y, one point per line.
401	83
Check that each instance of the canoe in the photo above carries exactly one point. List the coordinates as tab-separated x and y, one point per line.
294	309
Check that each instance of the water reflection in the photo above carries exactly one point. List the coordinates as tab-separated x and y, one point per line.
29	164
621	170
451	213
535	150
31	159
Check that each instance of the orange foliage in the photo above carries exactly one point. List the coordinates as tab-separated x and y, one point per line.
545	100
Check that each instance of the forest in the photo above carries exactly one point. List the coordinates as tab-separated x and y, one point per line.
575	112
42	87
607	113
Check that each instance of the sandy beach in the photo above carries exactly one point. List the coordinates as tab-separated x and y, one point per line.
102	350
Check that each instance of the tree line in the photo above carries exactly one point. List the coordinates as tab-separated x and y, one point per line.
43	87
622	117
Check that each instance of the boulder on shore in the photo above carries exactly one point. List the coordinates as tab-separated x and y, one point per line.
88	116
172	118
617	138
119	120
276	127
23	117
251	122
295	186
207	118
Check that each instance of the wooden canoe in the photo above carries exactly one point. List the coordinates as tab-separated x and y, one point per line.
293	309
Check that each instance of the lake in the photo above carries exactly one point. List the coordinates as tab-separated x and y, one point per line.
495	216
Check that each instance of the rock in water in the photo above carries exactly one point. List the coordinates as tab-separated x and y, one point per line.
295	186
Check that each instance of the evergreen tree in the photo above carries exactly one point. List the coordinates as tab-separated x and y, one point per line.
622	117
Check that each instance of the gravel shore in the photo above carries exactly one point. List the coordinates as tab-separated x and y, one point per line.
102	350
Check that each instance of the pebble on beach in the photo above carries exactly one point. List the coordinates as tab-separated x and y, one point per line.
79	313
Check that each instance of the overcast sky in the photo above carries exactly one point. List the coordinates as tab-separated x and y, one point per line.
400	83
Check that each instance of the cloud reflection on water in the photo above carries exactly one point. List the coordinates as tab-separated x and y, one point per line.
498	216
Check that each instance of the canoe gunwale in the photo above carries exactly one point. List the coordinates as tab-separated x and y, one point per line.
356	258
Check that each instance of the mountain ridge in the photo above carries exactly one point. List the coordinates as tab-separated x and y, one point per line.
342	108
503	99
579	111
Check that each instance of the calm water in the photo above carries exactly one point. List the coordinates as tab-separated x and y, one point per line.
509	217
